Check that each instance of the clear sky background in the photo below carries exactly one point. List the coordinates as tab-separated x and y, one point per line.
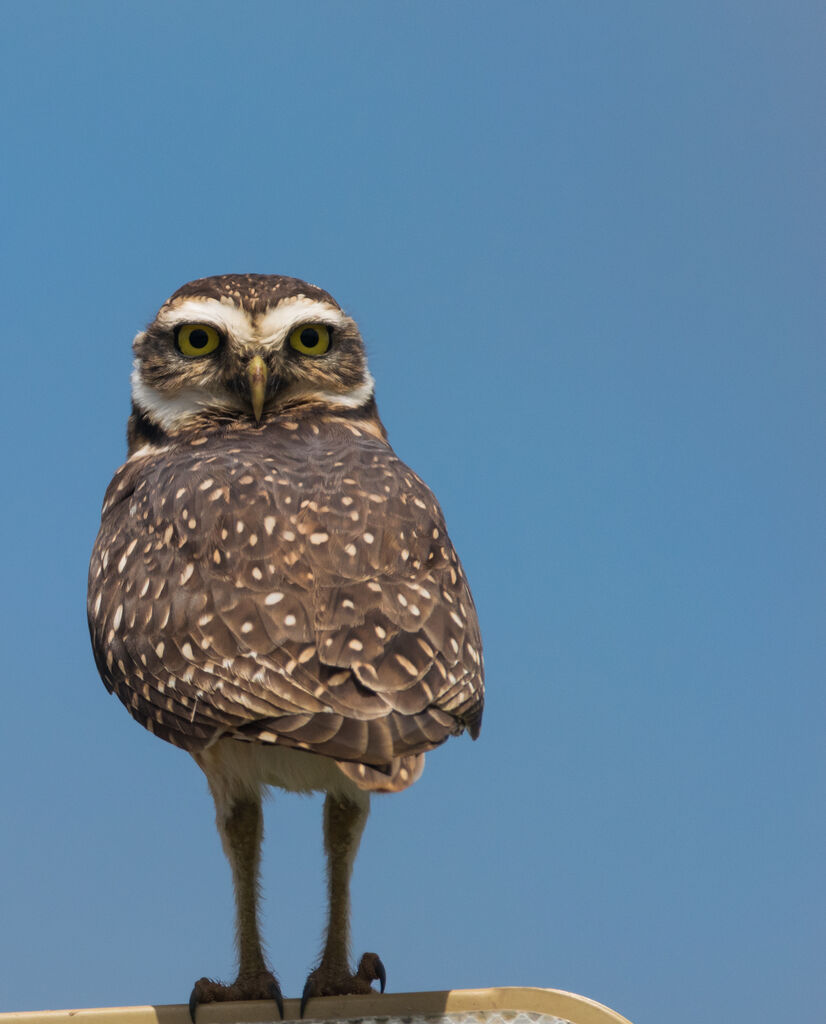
583	241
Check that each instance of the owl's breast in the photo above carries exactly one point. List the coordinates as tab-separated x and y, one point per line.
277	574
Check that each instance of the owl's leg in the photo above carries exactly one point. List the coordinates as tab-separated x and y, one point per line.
240	824
344	820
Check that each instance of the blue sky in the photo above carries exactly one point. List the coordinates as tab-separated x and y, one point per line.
584	244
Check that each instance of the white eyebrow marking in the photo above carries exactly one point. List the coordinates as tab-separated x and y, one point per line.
230	319
277	323
270	330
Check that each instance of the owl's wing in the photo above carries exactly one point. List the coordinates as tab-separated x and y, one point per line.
316	603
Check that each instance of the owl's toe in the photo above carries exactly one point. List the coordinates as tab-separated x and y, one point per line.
253	986
332	981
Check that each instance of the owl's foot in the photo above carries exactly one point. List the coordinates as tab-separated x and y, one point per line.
252	986
330	981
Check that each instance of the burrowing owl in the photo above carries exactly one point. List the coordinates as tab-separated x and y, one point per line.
273	590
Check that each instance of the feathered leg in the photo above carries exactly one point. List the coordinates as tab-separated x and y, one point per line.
239	819
344	821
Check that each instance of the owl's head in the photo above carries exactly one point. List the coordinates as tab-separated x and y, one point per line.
245	347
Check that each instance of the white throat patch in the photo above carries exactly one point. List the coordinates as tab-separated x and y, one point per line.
352	399
171	412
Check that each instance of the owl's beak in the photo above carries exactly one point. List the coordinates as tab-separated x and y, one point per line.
257	377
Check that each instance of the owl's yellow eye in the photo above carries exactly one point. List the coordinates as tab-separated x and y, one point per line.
197	340
310	339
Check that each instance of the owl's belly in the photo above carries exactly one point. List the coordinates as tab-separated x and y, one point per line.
298	771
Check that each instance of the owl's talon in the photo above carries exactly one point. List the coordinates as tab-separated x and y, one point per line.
275	995
306	995
381	973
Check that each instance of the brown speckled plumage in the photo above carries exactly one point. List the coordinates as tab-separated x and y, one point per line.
253	292
283	584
